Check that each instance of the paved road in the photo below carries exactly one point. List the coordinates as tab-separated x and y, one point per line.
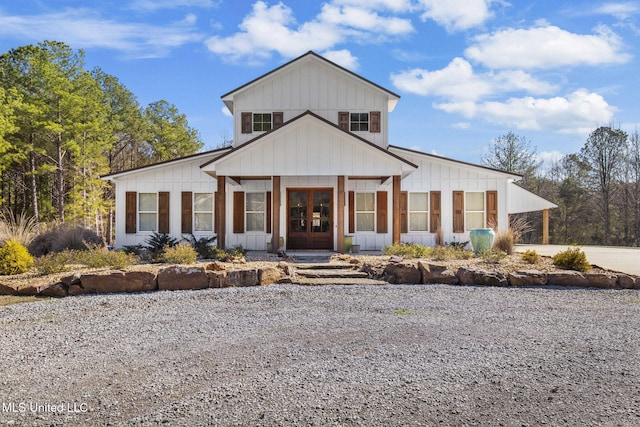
622	259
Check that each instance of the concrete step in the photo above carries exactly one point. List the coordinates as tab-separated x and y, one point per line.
324	266
332	273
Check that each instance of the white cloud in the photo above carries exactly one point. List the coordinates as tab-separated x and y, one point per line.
461	125
226	112
343	58
456	15
392	5
621	10
547	47
171	4
576	113
459	81
267	29
82	28
548	158
363	19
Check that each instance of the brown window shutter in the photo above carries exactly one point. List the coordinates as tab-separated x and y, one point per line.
187	212
352	212
131	204
278	119
343	120
163	212
238	211
404	212
381	212
458	211
268	212
374	117
434	211
246	123
492	209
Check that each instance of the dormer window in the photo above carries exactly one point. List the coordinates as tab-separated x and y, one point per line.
359	122
261	122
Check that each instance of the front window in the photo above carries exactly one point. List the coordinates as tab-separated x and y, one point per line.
148	212
261	122
418	211
255	211
359	122
203	211
474	210
365	211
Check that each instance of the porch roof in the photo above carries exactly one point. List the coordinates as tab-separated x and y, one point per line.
309	145
521	200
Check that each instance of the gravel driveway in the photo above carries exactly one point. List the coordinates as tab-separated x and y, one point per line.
351	355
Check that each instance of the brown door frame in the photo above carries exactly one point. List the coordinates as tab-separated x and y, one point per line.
310	191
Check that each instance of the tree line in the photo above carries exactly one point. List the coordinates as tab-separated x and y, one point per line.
597	189
63	126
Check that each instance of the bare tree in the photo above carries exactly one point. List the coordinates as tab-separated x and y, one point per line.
513	153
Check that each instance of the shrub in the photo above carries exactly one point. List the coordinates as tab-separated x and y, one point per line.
504	241
20	228
530	256
58	238
408	250
203	246
14	258
98	257
572	259
157	243
54	263
493	256
180	254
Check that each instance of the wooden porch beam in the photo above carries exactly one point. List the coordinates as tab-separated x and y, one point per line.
275	214
220	216
396	227
340	246
545	226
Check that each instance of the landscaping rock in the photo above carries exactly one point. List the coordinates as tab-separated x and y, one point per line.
437	274
602	280
118	281
215	266
217	279
567	278
55	290
73	279
625	281
268	275
375	271
402	273
637	284
527	278
76	289
241	278
469	276
7	290
181	278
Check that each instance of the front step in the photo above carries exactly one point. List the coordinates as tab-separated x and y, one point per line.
337	281
330	273
319	274
324	266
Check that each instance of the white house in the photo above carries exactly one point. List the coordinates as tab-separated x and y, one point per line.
310	164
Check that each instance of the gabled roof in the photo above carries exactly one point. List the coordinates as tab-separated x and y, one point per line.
514	176
325	122
522	200
203	155
227	98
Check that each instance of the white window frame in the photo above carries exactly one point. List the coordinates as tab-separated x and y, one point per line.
141	212
262	122
469	211
247	212
365	212
201	212
359	123
421	212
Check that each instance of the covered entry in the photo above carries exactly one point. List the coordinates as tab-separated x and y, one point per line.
309	218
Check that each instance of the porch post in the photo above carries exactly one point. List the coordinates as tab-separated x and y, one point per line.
396	227
340	246
545	226
220	218
275	214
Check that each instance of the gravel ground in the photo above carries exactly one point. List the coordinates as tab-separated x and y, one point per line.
290	355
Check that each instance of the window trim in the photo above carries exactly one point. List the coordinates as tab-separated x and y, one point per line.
413	211
156	212
360	212
468	211
208	212
247	212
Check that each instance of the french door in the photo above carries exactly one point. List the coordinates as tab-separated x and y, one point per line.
310	218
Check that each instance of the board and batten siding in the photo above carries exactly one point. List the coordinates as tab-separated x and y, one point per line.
434	174
172	181
316	86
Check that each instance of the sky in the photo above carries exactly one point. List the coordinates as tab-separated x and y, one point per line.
467	71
